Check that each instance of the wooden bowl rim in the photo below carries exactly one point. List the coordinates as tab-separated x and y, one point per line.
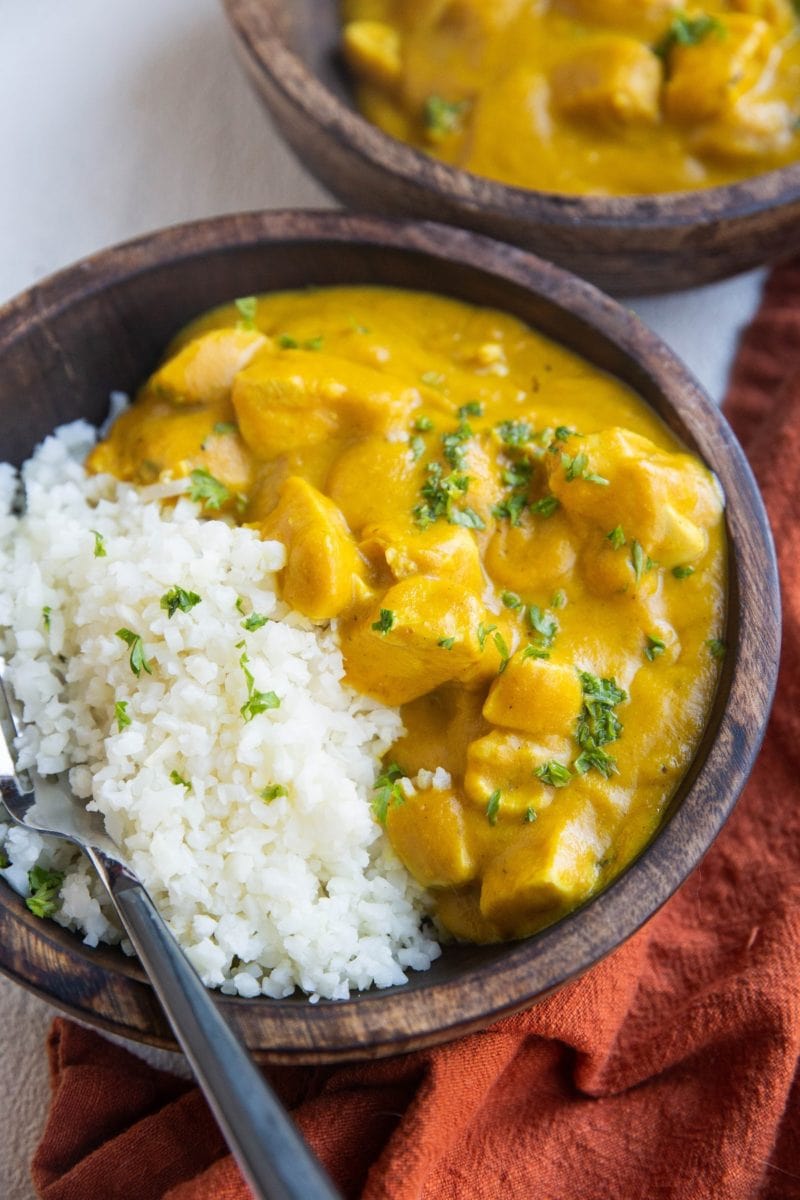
261	40
377	1023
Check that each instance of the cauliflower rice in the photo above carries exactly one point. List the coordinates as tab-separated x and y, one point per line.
264	891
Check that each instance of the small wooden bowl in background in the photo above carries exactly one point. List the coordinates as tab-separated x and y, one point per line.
629	245
103	324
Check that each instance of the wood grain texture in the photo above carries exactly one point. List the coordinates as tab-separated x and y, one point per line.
629	245
102	325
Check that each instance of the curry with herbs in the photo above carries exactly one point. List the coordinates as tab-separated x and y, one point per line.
514	549
585	96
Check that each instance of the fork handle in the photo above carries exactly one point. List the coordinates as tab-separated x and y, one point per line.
272	1155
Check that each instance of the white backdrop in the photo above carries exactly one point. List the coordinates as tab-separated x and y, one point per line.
115	119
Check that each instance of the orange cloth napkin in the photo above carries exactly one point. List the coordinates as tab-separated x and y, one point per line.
669	1072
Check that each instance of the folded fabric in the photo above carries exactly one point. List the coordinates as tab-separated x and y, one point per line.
669	1071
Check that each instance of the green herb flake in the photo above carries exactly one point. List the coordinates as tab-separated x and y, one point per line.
44	886
417	448
655	647
385	622
563	433
178	598
5	861
439	493
247	307
617	537
511	600
121	714
473	408
511	509
530	815
443	118
224	428
534	652
483	633
423	425
578	468
493	807
688	31
553	773
717	647
453	447
314	343
179	781
446	643
514	433
387	790
287	342
206	490
254	621
597	759
558	599
272	792
543	623
240	604
638	560
518	474
597	724
99	544
137	659
683	572
256	702
502	649
546	506
47	612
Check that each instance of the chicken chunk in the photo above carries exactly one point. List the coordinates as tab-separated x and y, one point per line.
204	370
428	833
535	696
706	78
446	550
612	82
505	762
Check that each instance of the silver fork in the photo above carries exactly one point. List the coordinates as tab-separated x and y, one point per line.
272	1155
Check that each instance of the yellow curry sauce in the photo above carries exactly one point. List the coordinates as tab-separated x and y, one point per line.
514	547
585	96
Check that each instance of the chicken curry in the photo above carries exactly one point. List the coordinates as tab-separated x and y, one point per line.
608	97
514	550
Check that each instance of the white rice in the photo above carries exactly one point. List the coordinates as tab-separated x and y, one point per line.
265	895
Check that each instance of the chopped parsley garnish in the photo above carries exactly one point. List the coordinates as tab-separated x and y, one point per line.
512	508
178	598
99	544
640	561
534	652
385	622
502	650
446	643
314	343
558	599
240	604
578	468
518	475
466	517
438	494
597	724
254	621
272	792
179	781
717	647
207	490
514	433
617	537
225	427
544	624
483	633
655	647
138	659
388	790
545	507
433	379
417	448
46	614
530	815
256	702
286	342
453	445
121	714
44	885
493	807
4	859
511	600
553	773
688	31
683	572
563	433
247	307
473	408
423	425
443	118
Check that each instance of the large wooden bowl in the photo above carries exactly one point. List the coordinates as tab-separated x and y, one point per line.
102	325
628	245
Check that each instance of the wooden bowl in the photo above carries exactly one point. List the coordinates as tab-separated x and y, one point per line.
628	245
102	325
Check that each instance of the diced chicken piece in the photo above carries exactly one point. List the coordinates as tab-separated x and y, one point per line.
372	51
428	834
750	129
446	550
372	481
639	18
780	13
706	78
554	866
324	572
505	762
536	696
204	370
533	557
297	398
400	656
663	501
612	82
153	437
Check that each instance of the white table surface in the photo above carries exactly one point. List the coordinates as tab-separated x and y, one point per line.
117	118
